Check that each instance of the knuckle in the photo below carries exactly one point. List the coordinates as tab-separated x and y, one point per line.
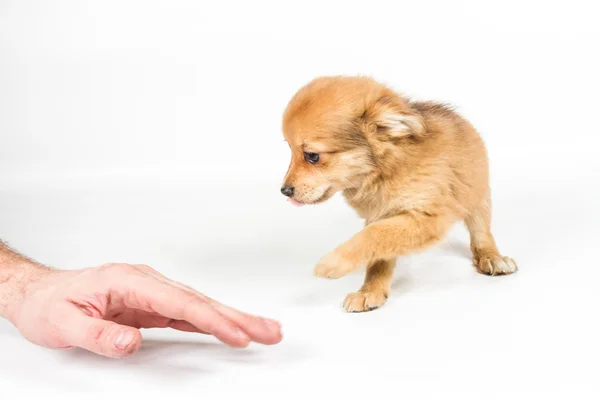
97	332
106	266
127	268
193	306
121	268
144	267
146	270
190	303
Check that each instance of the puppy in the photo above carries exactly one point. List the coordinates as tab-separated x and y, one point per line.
409	169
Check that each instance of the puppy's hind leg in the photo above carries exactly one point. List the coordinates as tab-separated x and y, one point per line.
486	256
376	288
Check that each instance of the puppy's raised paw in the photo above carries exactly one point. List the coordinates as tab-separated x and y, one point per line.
364	301
333	266
496	265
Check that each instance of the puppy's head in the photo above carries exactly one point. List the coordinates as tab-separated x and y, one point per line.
339	130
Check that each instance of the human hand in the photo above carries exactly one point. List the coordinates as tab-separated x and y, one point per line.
101	310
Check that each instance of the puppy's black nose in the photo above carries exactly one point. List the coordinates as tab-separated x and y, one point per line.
287	190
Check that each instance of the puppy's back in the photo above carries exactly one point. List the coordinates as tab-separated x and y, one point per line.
462	148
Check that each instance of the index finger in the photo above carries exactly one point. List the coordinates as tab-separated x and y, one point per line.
261	330
145	293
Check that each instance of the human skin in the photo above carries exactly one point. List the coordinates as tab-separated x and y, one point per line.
102	309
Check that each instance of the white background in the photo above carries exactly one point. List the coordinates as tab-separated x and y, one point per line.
149	132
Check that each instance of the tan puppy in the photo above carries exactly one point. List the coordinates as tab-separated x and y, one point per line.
410	169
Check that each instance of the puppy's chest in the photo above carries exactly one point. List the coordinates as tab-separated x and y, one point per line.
386	204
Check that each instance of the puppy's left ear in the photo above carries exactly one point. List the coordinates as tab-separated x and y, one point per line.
391	119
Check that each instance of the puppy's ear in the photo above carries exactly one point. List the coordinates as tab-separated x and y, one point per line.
392	119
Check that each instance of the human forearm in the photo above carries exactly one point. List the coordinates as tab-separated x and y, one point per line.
16	273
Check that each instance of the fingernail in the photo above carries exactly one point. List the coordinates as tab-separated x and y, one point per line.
273	326
242	335
124	340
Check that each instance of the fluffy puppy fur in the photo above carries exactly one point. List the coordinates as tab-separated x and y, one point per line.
410	169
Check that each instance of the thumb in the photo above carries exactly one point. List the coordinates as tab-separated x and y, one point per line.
102	337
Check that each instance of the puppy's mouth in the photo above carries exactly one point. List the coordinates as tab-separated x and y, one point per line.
326	194
295	202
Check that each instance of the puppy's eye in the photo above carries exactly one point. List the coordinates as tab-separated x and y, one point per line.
312	158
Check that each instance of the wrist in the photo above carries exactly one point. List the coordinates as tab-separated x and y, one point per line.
15	284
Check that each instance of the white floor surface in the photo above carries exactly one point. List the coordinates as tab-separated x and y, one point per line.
446	331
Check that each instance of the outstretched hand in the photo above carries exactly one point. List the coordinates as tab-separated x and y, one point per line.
102	309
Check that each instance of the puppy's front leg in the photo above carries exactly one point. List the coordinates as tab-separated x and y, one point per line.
383	240
374	292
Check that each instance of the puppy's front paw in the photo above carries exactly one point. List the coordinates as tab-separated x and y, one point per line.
496	265
333	266
364	301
